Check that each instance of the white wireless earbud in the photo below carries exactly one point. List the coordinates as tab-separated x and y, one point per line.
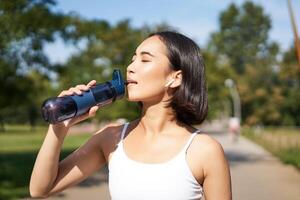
169	83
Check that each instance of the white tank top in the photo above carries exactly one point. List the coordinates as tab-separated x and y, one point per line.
134	180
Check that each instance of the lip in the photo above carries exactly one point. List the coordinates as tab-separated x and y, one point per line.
130	81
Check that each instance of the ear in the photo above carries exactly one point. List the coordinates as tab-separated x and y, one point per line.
177	76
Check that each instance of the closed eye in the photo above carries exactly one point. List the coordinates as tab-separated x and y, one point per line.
143	58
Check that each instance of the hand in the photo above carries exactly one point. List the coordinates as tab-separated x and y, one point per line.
77	90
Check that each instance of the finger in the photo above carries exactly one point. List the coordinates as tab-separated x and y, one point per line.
76	90
61	94
65	93
91	83
93	110
82	87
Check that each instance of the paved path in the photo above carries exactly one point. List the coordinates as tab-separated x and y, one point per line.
256	175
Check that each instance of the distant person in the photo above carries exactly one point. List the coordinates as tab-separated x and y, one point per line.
234	128
160	155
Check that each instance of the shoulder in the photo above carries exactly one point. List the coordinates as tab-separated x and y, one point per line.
110	131
108	136
207	144
207	151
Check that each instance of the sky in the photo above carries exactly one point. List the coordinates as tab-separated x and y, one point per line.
194	18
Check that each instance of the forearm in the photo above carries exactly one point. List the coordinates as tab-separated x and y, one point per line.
46	165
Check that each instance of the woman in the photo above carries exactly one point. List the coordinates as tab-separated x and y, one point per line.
158	156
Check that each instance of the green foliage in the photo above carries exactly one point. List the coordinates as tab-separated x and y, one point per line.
18	150
216	74
25	26
26	76
243	35
239	50
267	86
289	76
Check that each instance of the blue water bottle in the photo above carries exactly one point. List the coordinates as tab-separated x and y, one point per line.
58	109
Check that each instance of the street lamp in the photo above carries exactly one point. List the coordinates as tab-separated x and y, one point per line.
235	96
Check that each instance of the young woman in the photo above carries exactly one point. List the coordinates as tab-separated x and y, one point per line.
157	156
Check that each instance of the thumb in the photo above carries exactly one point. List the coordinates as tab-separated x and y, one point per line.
92	111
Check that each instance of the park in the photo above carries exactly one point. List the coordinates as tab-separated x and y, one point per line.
253	86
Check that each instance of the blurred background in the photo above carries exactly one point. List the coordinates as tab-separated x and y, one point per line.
250	52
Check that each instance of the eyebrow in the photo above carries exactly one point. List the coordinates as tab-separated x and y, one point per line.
145	53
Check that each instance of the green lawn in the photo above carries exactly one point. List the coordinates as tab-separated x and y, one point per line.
18	149
281	142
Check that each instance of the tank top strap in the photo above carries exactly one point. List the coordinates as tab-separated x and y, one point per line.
124	131
185	148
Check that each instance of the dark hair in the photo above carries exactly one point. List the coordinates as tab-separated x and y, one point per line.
189	100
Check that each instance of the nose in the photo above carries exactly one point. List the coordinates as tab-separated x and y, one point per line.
130	68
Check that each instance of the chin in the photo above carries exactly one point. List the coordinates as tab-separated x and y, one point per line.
133	99
133	96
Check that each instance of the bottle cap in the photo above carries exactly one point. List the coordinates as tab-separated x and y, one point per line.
118	83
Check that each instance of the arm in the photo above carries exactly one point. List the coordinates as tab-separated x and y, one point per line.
50	176
217	181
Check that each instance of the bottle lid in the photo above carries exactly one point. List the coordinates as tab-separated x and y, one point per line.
118	83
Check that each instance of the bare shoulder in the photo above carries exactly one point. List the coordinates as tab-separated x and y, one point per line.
110	128
207	144
109	133
206	149
107	138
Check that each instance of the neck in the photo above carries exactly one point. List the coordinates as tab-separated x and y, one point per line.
157	119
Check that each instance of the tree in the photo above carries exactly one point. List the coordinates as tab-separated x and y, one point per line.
25	26
243	35
289	76
217	72
242	43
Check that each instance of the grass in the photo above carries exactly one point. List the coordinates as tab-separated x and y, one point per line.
18	149
281	142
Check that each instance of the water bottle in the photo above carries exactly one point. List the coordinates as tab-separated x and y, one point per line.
58	109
